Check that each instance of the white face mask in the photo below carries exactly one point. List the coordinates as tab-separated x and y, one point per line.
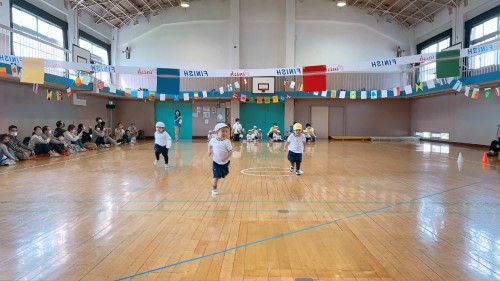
38	132
98	129
14	134
50	132
73	131
61	138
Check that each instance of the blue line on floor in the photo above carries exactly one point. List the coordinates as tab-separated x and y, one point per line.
293	232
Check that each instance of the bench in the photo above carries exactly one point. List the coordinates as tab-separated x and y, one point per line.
409	139
344	138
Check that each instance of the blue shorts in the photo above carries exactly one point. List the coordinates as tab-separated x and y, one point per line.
294	157
220	171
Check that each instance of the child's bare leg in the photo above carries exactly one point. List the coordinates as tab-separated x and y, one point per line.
214	182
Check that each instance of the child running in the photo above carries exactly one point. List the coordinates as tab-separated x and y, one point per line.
163	142
221	149
296	141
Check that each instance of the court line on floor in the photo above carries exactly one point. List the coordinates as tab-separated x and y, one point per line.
436	154
249	211
243	201
65	161
296	231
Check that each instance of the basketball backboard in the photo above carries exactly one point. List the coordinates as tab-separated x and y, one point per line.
263	85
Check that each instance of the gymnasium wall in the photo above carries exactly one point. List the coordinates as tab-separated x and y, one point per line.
386	117
21	107
135	111
200	37
467	120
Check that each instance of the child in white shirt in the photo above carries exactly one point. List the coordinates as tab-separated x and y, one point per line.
163	142
221	149
296	141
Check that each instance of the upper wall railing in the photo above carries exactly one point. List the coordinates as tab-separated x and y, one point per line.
21	44
25	45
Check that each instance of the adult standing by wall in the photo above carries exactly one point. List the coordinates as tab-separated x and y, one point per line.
177	124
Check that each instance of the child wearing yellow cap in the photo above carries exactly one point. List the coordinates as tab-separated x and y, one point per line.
295	147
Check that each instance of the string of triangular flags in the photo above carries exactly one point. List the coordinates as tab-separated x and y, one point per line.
487	92
458	86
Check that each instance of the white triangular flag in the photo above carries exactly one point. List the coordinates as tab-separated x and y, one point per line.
430	84
384	93
236	85
373	94
363	95
323	94
221	90
112	88
204	94
162	97
342	95
458	86
292	85
408	90
315	93
140	94
186	96
467	90
85	80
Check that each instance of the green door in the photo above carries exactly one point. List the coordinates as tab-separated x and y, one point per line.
164	112
263	116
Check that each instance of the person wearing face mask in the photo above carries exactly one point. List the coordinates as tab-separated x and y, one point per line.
100	136
59	131
6	158
40	145
120	135
55	143
21	151
86	136
70	135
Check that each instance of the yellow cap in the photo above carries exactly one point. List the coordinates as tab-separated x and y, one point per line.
297	126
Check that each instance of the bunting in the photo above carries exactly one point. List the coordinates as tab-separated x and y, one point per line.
36	87
59	95
49	95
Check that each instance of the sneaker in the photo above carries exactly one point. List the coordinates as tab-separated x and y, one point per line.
118	143
299	172
491	153
54	154
291	169
214	191
166	166
156	162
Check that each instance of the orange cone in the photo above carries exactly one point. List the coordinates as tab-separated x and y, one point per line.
485	158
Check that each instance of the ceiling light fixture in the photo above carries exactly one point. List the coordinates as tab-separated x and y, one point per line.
341	3
184	4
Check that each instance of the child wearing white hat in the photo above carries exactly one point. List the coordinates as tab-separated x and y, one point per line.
163	142
295	147
221	149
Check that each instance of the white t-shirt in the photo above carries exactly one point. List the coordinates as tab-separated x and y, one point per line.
237	128
296	143
163	139
221	149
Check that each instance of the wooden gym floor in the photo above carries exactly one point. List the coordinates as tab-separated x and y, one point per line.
361	211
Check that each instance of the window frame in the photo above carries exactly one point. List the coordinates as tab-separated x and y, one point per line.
39	13
448	34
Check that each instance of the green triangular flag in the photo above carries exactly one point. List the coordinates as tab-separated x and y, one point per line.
448	64
487	93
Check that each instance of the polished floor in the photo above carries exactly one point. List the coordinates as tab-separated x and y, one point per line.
361	211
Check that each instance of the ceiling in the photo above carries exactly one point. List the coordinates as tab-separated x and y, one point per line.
407	12
118	13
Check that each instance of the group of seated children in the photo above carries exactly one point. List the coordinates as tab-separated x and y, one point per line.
61	141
